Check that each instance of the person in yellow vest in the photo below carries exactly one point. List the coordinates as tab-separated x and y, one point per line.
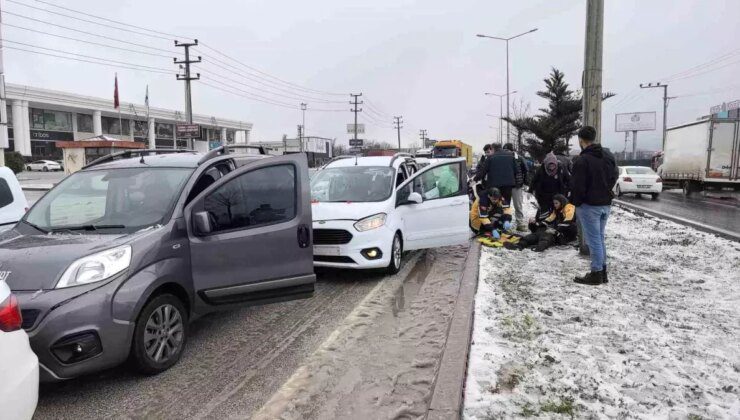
490	217
557	229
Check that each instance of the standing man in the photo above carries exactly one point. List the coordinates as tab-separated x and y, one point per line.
487	151
593	178
499	171
520	178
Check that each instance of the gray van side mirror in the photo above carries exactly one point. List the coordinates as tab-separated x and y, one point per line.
201	222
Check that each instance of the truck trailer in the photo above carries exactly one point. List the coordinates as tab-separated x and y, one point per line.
453	149
702	155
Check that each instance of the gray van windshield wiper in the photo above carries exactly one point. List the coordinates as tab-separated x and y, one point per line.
88	227
42	230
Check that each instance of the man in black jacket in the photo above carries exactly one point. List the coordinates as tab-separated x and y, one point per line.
499	171
517	195
594	175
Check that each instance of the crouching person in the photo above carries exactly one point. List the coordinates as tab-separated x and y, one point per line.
489	214
558	228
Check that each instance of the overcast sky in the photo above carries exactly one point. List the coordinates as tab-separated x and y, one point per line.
415	58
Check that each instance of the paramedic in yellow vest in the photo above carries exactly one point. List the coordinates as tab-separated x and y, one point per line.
489	220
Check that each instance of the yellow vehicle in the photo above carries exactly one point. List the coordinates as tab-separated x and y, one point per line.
453	149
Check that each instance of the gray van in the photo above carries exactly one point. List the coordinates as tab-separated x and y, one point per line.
113	262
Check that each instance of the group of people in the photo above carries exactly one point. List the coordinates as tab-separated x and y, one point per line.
568	192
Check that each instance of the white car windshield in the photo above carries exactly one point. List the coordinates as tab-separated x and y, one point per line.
640	171
109	201
353	183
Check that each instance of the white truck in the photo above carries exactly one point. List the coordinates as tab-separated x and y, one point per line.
702	155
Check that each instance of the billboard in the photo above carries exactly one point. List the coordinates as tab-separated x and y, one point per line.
360	128
187	131
635	121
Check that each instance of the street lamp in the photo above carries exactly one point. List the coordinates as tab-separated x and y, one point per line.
501	112
508	128
303	126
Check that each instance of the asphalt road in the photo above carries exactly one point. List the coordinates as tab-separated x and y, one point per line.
713	209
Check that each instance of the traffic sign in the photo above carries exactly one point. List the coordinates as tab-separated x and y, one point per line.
355	149
355	143
188	131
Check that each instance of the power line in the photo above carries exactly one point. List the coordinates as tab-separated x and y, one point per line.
704	72
87	20
87	42
87	33
91	62
703	65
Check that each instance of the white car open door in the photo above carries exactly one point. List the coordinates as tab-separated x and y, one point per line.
433	206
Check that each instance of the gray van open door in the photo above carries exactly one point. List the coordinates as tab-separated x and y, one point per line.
250	234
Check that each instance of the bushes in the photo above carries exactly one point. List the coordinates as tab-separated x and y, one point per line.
14	161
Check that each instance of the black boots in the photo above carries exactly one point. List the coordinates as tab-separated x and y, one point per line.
594	278
606	280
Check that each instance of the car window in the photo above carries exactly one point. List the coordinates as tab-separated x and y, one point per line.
359	184
6	196
440	182
401	175
261	197
640	171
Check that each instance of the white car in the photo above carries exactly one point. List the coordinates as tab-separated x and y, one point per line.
368	210
638	180
44	165
13	204
19	366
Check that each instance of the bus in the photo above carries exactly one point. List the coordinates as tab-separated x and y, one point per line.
453	149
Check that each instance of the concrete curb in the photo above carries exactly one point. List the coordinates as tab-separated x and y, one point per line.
449	385
680	220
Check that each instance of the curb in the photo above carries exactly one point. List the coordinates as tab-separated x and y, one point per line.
680	220
449	385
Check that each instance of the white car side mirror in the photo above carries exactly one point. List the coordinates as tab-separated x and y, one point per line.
415	197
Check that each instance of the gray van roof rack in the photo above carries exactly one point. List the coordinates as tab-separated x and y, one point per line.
224	150
401	155
125	154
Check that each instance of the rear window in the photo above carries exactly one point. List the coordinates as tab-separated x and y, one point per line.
6	196
639	171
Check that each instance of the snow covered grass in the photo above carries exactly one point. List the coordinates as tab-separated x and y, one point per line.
660	340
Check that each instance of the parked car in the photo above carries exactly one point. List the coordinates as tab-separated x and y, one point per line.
638	180
115	261
13	202
43	165
368	210
19	367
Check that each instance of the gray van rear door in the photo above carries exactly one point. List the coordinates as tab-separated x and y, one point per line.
250	234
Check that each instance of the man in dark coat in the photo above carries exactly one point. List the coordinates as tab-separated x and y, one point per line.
499	171
549	179
594	175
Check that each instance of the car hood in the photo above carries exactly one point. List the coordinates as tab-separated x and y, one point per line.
346	211
34	262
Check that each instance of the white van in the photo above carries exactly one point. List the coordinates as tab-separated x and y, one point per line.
13	204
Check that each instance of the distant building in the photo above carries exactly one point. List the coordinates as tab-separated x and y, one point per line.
38	118
317	149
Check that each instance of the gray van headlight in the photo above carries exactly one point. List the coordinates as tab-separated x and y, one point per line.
96	267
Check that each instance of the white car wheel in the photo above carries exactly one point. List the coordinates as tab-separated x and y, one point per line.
396	255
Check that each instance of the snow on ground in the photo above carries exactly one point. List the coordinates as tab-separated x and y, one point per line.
660	340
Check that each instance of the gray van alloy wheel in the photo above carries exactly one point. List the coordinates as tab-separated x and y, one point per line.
164	333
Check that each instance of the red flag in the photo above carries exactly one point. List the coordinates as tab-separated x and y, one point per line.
115	94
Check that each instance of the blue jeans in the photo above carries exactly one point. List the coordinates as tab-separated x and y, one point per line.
593	224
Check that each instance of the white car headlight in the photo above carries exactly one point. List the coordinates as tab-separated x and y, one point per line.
371	222
96	267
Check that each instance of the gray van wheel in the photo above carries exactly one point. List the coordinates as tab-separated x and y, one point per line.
160	335
396	255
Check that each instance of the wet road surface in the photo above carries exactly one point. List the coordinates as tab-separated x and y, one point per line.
234	361
713	209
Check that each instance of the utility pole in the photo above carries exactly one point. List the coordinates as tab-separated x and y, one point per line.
355	103
303	126
634	145
187	77
397	121
423	137
665	103
4	143
592	78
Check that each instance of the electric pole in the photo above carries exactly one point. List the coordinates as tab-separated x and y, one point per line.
423	137
592	79
303	126
397	121
665	103
355	102
187	77
4	143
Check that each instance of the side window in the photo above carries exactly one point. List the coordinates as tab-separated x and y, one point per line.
440	182
261	197
400	175
6	196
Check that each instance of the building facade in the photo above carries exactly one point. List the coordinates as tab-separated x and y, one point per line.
317	149
37	118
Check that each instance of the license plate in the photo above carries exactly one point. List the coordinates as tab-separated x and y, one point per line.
331	251
644	186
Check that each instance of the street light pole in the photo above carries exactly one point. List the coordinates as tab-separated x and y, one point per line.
508	126
501	111
303	127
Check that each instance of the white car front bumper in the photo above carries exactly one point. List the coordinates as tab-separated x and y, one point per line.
350	254
19	376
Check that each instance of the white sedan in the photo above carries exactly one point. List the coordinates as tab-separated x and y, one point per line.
638	180
19	366
43	165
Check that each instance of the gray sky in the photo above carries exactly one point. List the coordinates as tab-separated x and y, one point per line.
416	58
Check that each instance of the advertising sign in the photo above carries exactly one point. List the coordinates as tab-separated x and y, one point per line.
188	131
355	143
724	107
360	128
635	121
